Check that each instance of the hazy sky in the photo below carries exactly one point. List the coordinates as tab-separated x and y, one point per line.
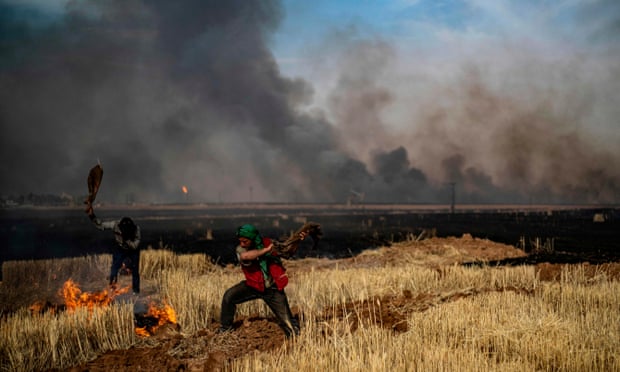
299	101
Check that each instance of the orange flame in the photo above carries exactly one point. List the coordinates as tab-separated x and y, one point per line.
74	297
184	188
142	332
163	315
40	307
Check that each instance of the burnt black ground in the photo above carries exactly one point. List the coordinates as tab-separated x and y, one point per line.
42	233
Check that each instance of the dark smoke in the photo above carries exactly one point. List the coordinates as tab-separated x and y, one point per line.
166	95
505	127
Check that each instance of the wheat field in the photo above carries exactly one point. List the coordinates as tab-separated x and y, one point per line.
505	318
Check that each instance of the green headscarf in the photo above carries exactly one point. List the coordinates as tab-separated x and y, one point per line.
250	232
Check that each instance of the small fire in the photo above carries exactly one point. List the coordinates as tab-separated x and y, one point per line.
155	318
75	298
142	332
184	189
40	307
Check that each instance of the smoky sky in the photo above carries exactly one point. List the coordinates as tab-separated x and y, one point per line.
166	95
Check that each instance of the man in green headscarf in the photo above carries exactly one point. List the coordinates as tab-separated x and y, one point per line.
265	278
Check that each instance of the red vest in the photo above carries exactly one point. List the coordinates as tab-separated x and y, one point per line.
254	275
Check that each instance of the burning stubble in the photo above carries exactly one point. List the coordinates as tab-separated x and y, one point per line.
146	322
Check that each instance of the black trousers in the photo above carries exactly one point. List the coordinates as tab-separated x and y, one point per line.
131	257
275	299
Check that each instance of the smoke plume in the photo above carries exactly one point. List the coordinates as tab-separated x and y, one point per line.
166	96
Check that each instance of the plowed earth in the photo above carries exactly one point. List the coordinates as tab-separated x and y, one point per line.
206	350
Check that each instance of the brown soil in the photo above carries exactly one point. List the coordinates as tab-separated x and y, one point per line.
207	350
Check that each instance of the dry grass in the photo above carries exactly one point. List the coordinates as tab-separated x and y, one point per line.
572	325
36	343
569	325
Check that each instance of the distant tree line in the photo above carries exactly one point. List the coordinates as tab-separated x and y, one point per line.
37	199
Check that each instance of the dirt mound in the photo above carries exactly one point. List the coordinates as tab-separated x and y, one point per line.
134	359
432	251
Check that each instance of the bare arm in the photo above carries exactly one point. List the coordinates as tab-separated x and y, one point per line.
101	225
254	253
